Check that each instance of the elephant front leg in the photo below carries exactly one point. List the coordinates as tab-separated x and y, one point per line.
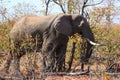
60	58
47	63
43	63
50	61
60	65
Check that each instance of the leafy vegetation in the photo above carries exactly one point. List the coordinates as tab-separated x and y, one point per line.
110	36
100	17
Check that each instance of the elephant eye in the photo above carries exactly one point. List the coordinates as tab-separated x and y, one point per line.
50	47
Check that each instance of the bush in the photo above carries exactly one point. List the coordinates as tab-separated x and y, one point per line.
111	37
105	35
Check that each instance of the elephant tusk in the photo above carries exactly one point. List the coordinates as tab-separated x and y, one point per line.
95	44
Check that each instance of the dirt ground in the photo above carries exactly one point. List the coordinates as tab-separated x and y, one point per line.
96	73
61	77
80	77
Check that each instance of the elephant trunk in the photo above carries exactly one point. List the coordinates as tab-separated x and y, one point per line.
87	35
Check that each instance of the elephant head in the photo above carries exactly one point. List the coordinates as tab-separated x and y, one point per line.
71	24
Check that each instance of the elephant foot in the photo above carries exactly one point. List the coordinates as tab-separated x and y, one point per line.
83	71
50	69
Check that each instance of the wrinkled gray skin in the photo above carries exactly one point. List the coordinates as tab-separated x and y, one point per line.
53	31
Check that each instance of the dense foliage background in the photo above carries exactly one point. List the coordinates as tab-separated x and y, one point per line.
101	15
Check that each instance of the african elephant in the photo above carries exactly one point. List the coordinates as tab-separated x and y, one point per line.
53	31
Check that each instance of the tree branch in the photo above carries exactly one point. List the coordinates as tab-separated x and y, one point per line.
62	9
60	4
96	3
84	5
47	4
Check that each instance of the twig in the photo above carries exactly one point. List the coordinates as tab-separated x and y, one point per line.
96	3
112	73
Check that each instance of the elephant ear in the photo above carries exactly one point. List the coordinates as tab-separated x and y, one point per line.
62	25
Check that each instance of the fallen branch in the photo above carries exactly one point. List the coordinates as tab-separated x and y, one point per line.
108	73
65	73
